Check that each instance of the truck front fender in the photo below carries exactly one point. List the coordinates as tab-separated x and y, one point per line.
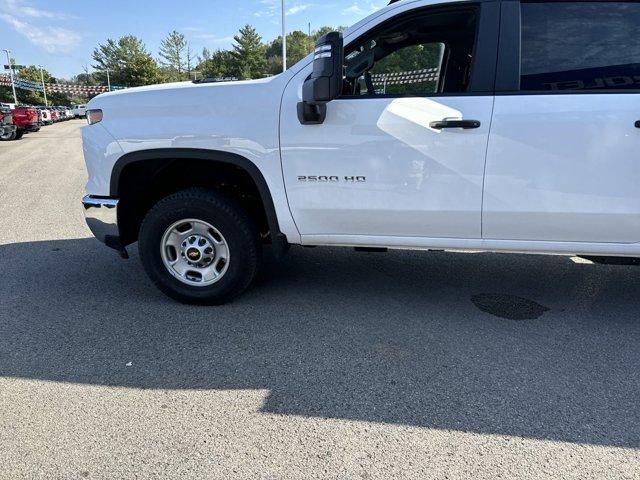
278	238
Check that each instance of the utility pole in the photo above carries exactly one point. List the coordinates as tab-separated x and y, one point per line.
13	84
108	80
284	38
44	89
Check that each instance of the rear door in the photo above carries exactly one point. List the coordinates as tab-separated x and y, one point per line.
562	162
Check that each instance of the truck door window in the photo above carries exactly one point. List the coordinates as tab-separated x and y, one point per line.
422	54
581	46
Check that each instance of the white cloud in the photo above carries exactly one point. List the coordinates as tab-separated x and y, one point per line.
353	9
36	13
363	8
50	38
18	9
271	8
212	40
298	8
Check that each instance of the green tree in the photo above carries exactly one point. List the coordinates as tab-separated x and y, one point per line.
6	95
88	79
205	55
78	100
323	31
299	45
128	62
220	64
190	61
173	51
249	54
32	73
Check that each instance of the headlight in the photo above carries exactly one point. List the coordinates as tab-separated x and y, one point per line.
94	116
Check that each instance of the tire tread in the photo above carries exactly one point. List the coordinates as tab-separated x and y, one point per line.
185	199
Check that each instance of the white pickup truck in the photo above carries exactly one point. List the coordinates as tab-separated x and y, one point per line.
507	126
79	111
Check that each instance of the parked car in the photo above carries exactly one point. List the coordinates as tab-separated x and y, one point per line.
41	116
45	115
7	128
431	125
54	115
62	114
79	111
26	119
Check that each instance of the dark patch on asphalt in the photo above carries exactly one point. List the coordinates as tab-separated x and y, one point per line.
510	307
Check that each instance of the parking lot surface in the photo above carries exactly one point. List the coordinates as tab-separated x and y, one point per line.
335	365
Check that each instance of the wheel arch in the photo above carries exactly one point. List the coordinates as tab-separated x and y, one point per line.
206	155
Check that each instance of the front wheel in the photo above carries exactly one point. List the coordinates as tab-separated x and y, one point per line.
199	247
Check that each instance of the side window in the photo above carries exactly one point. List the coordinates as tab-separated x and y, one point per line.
580	46
421	54
409	71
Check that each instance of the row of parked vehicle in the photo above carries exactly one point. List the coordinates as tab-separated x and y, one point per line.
15	121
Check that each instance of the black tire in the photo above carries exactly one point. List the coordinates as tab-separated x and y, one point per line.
224	214
19	134
8	136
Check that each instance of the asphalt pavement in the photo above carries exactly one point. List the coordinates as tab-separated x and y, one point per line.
336	364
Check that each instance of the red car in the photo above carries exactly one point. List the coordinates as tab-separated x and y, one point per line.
54	115
26	119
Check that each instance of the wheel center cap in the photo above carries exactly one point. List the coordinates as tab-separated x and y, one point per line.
193	254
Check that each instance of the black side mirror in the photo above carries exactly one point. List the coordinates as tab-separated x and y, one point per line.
325	83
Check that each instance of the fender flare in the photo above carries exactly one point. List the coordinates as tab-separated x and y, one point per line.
208	155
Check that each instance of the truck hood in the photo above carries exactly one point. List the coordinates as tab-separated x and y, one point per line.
186	89
194	115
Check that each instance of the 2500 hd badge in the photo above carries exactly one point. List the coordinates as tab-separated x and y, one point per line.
332	178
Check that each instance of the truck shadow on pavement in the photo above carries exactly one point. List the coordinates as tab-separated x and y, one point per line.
392	338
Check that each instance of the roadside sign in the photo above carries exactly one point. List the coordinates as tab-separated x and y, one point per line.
14	67
5	80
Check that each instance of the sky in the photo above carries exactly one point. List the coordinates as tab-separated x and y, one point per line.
60	35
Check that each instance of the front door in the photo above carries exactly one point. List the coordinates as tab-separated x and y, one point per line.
392	158
563	161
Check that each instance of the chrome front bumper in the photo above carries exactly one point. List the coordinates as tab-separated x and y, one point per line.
101	214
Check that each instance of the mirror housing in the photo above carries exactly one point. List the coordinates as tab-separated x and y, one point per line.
325	83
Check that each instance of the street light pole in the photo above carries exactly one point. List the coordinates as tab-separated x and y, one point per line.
44	89
284	38
13	84
108	80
